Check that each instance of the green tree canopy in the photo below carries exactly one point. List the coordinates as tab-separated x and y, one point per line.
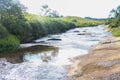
46	11
114	18
11	9
114	12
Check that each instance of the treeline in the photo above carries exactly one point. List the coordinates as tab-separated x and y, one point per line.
114	21
17	26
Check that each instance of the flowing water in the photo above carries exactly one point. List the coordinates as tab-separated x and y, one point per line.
46	58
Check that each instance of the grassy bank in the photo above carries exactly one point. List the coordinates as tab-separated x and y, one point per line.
116	32
114	22
12	33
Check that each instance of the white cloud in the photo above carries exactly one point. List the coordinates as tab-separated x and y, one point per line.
93	8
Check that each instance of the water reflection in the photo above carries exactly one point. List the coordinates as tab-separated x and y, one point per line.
34	53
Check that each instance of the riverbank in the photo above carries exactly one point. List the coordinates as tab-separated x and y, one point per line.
101	63
34	27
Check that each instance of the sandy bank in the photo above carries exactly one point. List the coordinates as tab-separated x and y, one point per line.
102	62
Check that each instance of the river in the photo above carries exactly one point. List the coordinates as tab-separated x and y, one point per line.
46	58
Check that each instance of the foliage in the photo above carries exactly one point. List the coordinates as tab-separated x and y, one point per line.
10	11
9	43
46	11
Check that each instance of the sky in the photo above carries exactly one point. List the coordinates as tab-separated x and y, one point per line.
81	8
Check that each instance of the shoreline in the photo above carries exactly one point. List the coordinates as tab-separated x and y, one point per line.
101	63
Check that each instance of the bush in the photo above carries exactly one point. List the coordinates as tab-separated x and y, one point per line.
9	43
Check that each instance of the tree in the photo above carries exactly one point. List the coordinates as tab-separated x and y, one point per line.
10	9
53	13
114	12
12	18
46	11
118	9
114	17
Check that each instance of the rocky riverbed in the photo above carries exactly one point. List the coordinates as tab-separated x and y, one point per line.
102	62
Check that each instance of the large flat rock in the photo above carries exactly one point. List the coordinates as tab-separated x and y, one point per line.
102	62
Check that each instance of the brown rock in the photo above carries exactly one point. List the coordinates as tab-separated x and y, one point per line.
102	62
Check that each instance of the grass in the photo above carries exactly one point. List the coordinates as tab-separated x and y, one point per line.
116	31
81	22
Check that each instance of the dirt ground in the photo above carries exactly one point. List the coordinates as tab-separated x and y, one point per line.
101	63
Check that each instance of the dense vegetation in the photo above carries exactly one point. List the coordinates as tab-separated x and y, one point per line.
17	26
114	21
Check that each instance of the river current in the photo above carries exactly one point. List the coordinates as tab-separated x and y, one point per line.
46	58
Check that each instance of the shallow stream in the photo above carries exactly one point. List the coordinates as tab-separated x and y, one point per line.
46	58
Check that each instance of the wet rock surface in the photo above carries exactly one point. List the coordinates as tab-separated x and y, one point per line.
102	62
84	33
55	39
